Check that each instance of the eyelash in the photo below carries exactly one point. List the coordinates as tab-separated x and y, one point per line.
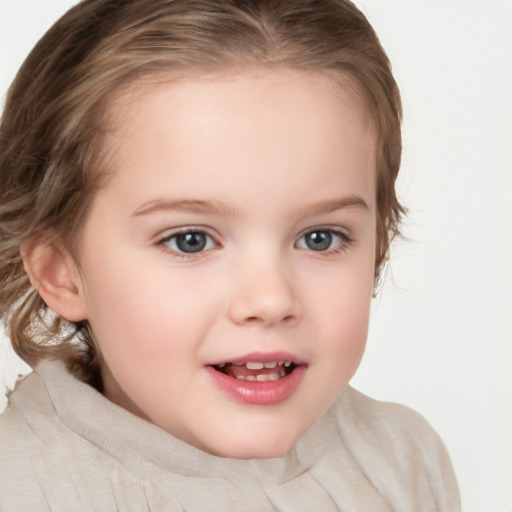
344	241
343	244
162	243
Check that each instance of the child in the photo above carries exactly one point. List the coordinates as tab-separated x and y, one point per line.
197	200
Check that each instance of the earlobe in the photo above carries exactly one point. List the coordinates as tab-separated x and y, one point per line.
53	273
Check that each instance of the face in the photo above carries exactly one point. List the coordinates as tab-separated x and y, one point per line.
227	267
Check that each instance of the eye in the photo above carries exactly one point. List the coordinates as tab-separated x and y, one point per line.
189	242
322	240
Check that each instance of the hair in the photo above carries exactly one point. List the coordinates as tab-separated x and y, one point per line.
51	154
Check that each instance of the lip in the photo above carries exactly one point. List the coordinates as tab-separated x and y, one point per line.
264	357
260	393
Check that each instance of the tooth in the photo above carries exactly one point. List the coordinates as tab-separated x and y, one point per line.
221	365
271	364
251	365
282	372
280	363
287	363
238	364
240	377
273	376
262	377
251	378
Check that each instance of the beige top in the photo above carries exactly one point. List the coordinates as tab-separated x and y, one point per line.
66	448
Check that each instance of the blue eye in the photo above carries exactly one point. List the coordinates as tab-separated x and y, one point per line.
189	242
321	240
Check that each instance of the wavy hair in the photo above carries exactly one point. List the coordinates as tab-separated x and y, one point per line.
51	154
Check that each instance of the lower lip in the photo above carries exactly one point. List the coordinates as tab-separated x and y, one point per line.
258	393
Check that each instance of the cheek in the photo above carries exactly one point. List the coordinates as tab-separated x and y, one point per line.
155	313
346	322
342	315
347	332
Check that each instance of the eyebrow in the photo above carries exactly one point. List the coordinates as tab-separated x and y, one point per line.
186	206
332	205
221	209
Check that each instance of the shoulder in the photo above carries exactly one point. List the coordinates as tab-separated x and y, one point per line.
397	448
387	420
27	404
22	448
389	428
37	449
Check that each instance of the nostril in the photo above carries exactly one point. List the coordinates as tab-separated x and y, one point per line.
257	320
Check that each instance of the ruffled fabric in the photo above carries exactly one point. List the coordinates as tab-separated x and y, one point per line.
64	447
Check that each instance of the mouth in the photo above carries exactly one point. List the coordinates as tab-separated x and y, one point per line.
259	378
256	371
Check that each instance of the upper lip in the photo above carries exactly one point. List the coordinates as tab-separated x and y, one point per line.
263	357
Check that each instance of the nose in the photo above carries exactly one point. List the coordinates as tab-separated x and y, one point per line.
265	294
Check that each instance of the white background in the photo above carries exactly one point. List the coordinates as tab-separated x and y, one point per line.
441	333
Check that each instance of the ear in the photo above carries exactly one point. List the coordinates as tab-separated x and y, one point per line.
54	274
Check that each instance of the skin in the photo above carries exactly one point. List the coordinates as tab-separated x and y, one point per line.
272	154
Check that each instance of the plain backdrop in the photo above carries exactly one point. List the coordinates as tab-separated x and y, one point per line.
441	332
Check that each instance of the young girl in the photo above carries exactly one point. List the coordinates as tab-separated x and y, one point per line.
197	200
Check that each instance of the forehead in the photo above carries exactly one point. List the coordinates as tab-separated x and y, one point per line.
238	123
126	101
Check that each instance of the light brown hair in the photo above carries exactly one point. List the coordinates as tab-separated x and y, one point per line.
51	131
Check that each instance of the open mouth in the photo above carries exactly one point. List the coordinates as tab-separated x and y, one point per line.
256	371
259	379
